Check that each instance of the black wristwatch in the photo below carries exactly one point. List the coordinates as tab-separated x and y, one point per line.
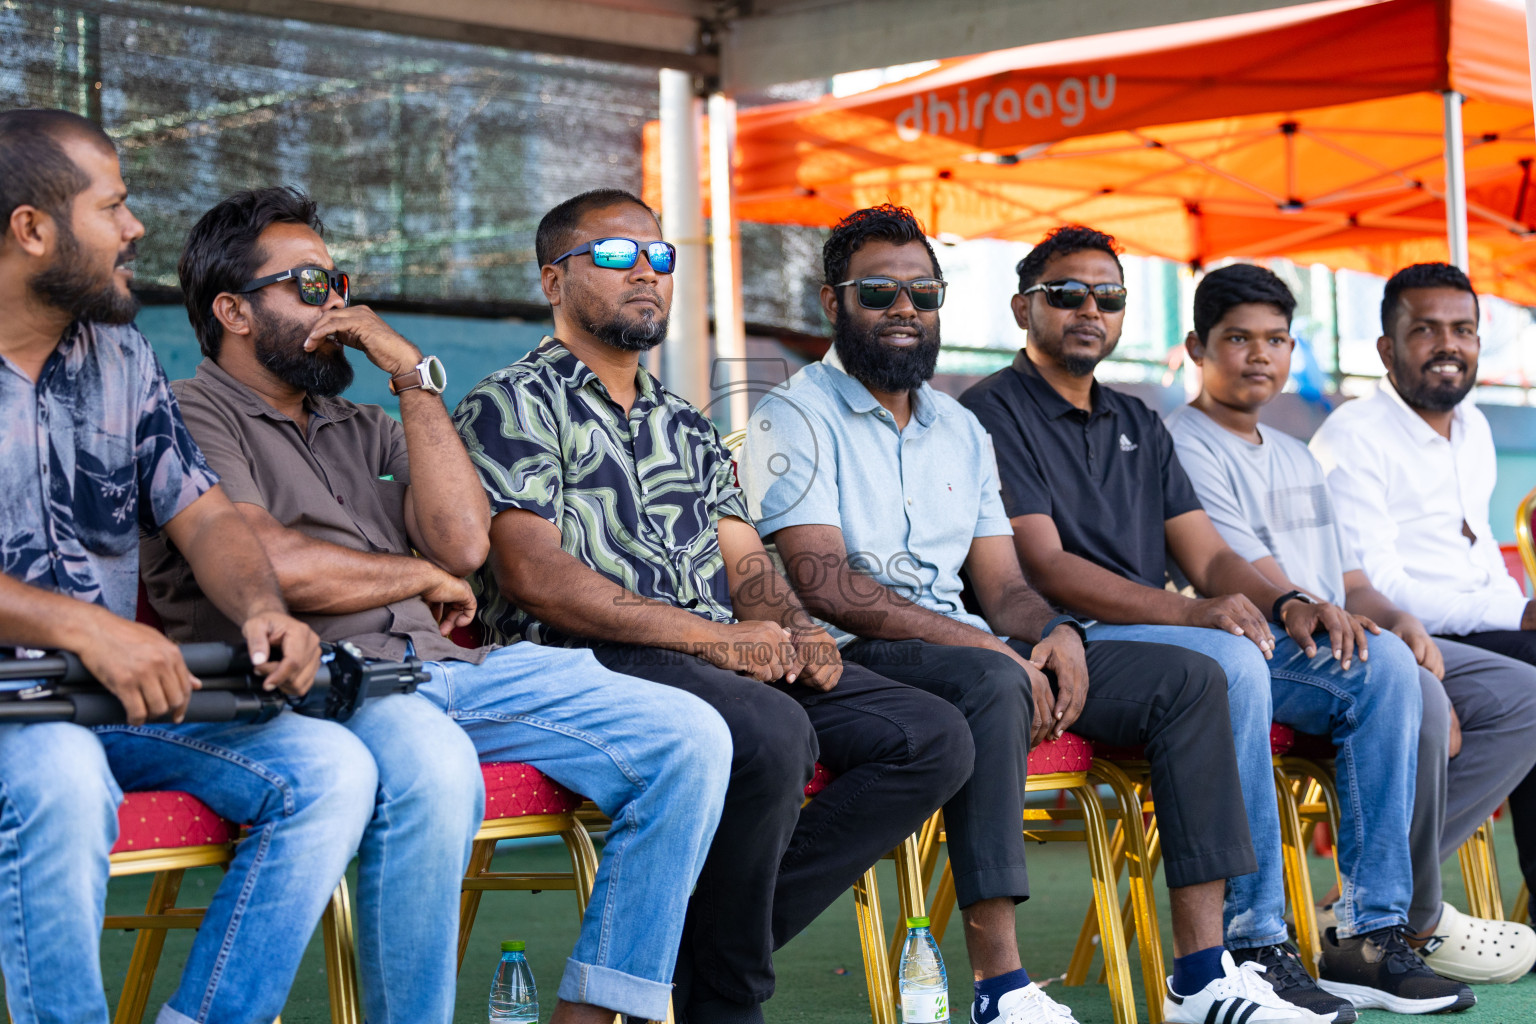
1064	620
1290	595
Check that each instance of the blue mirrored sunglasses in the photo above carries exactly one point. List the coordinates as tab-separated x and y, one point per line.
622	253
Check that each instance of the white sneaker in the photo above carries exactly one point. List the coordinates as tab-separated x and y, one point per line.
1241	996
1028	1005
1478	951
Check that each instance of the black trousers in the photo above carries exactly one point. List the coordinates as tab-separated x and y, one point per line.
1521	645
897	754
1171	699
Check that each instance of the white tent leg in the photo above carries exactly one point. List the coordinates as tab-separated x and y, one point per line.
686	364
1455	180
729	377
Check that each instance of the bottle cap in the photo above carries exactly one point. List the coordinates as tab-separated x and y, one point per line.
513	946
917	922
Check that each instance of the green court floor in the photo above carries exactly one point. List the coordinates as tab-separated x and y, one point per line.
820	972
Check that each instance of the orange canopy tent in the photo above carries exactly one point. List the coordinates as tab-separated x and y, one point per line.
1316	132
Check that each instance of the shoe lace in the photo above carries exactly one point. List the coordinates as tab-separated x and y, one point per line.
1249	983
1400	957
1283	966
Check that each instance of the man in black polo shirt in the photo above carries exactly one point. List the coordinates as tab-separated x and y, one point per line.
1096	496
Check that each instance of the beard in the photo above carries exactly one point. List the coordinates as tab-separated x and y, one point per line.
639	332
280	348
1420	389
1075	363
881	367
71	286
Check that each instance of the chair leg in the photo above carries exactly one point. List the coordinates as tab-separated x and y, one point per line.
1298	879
147	946
909	885
1107	896
1085	947
942	905
1480	873
341	958
480	855
1142	901
1520	913
578	842
877	969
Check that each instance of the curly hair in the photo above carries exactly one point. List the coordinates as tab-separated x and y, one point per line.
884	223
1237	285
1064	241
1420	275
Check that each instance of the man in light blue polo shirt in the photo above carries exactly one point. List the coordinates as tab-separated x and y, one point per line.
878	491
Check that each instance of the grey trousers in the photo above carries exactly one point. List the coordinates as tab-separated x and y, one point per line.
1495	699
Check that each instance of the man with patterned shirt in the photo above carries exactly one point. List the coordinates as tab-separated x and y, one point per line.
342	496
618	526
96	450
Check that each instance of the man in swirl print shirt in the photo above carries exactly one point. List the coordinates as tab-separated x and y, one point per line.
617	525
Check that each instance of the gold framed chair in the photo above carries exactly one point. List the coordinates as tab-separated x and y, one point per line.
523	803
1134	847
1313	791
1067	765
166	833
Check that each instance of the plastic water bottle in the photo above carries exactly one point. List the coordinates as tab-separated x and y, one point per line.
924	982
514	997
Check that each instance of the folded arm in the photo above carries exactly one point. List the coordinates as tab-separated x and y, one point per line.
534	572
321	578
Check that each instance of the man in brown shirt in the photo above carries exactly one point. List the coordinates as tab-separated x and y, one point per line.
340	495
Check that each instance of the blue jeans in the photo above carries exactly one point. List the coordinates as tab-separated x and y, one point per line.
306	788
58	821
430	801
655	759
1371	712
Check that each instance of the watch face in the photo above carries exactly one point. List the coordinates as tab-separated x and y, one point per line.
434	376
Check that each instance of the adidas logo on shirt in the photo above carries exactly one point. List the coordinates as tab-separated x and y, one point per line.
1127	445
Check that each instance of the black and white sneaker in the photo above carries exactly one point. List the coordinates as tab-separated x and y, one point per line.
1291	982
1240	996
1380	971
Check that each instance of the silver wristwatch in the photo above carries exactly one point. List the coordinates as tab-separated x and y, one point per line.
428	375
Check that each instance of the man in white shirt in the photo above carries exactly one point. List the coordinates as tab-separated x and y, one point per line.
1267	497
1411	470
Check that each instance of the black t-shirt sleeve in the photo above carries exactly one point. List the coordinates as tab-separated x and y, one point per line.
1018	470
1179	494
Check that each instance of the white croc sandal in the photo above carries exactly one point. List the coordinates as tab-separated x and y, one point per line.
1479	951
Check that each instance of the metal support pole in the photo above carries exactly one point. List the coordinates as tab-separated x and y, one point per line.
729	377
1530	43
1455	180
686	363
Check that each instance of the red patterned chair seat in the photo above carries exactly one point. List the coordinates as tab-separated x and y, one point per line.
168	820
514	790
1281	739
1071	753
819	780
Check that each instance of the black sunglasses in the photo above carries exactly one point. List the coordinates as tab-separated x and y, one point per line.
315	284
1110	298
624	253
926	293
